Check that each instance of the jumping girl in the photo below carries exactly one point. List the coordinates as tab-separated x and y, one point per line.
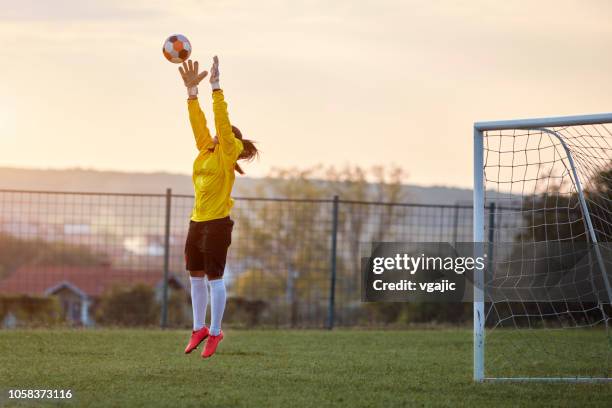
210	228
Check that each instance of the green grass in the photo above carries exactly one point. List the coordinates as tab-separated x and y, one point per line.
138	368
547	353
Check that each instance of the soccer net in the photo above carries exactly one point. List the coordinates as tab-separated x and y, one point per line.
543	207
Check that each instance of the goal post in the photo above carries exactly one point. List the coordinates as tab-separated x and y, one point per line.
478	225
549	182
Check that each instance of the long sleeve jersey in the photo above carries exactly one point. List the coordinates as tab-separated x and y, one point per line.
213	168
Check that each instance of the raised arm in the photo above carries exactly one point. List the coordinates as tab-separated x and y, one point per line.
230	146
198	125
191	78
227	140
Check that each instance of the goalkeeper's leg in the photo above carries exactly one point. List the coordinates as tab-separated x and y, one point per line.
217	307
199	303
217	241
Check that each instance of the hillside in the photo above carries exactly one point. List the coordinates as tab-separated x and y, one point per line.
122	182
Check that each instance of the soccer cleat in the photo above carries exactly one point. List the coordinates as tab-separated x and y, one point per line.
197	337
211	345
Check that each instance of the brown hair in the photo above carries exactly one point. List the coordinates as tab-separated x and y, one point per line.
248	153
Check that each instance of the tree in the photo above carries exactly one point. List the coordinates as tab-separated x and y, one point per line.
288	251
287	240
555	215
30	310
362	222
128	306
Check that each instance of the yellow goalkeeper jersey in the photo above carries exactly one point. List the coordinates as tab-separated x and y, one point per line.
213	169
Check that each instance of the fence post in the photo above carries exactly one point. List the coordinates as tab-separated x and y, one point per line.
491	240
455	224
334	244
164	315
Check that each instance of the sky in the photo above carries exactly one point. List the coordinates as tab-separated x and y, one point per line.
361	82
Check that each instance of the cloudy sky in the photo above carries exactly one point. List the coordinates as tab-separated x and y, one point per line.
84	83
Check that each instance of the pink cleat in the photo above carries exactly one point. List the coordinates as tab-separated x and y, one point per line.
211	345
197	337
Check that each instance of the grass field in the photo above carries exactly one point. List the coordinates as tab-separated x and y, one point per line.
135	368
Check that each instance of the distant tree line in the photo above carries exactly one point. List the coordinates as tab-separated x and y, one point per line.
17	252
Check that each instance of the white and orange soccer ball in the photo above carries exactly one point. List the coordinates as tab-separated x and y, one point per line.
177	48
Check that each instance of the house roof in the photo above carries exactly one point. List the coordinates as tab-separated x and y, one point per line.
91	280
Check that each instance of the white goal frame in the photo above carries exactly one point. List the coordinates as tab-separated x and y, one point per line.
542	125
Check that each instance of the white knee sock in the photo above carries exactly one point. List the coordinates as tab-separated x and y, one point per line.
217	305
199	301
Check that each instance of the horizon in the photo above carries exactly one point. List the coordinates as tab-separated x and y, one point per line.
406	182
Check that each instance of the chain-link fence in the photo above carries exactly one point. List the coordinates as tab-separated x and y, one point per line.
118	259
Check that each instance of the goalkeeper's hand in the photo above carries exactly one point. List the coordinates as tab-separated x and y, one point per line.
191	77
214	74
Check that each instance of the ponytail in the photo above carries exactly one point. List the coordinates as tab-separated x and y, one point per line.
249	151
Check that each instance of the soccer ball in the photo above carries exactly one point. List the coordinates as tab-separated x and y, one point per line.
177	48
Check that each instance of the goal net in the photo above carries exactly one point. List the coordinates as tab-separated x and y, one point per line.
543	209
